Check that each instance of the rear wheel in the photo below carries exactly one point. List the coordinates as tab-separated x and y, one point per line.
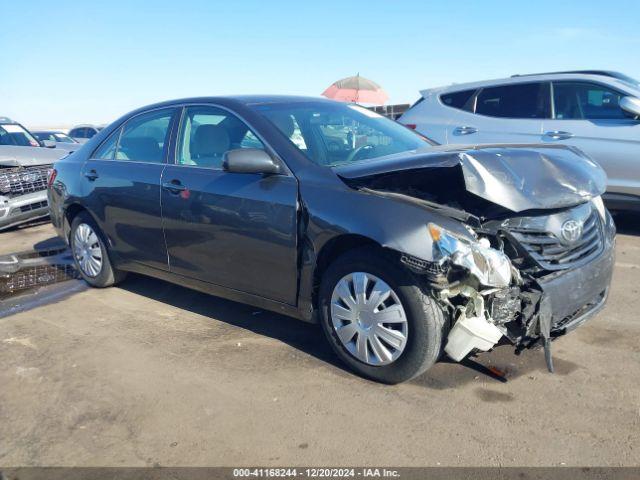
378	321
90	253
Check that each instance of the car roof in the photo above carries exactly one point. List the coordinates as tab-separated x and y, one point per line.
238	99
609	77
231	101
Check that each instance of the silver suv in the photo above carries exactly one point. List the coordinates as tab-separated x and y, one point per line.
24	166
596	111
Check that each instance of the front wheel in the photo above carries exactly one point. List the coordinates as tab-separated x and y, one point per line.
90	253
378	321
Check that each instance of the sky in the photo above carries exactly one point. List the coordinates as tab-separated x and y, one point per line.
69	62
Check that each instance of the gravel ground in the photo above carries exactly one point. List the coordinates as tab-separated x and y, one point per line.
153	374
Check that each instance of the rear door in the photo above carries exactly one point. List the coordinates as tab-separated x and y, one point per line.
588	115
236	230
123	183
503	114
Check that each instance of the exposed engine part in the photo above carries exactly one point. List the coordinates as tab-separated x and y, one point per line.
505	305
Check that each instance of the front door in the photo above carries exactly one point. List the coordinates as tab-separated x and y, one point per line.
231	229
588	116
123	183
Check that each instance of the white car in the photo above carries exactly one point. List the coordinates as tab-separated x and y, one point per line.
596	111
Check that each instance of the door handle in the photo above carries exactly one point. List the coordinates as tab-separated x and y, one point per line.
91	175
464	130
558	135
174	186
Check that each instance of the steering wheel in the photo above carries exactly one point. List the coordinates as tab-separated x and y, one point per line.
354	154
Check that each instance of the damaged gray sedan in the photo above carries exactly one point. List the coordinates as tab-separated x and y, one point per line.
401	250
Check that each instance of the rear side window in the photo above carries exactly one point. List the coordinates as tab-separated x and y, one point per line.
144	138
461	100
525	100
585	101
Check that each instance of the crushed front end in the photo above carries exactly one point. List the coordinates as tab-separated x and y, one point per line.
521	246
529	279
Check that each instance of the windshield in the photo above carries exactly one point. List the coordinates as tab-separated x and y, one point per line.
14	134
336	133
61	137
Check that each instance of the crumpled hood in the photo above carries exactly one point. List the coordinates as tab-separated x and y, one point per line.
12	156
516	177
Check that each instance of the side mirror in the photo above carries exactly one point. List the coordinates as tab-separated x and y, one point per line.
631	105
250	160
48	144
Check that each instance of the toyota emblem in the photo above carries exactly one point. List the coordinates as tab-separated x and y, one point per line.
571	230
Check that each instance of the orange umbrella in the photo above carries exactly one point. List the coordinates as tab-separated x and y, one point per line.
356	90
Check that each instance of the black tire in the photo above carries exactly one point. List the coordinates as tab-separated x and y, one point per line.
426	320
108	274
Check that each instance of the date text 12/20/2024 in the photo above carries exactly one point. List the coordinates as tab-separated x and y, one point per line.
315	472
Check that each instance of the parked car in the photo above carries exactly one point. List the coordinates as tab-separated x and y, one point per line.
60	139
82	133
596	111
400	249
24	165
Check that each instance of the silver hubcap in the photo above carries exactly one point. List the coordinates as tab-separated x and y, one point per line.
87	251
369	319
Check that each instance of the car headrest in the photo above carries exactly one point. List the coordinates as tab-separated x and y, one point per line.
145	149
210	141
284	122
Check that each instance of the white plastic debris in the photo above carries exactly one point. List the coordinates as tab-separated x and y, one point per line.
474	332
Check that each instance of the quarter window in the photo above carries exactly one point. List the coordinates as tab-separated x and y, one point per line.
208	132
144	138
461	100
107	150
580	101
525	100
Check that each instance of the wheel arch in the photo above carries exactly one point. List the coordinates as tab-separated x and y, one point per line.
71	212
332	249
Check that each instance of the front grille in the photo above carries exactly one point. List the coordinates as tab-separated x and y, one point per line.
33	206
552	254
22	180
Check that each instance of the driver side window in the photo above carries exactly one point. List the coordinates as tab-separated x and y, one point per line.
586	101
207	133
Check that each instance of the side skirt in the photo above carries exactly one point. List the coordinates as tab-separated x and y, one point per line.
216	290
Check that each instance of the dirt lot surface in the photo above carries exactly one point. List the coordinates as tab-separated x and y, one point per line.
153	374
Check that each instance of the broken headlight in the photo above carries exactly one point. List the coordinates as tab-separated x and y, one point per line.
491	267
